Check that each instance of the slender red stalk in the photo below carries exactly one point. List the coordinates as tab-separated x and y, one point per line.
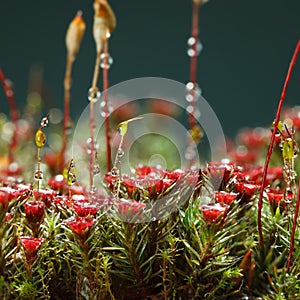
194	58
106	110
292	242
13	114
194	34
270	150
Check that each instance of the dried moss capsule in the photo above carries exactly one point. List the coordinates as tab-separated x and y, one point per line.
104	23
75	34
40	138
200	2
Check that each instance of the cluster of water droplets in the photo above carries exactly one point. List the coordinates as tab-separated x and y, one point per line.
194	47
69	127
106	61
94	94
89	145
193	94
96	167
195	134
105	111
40	141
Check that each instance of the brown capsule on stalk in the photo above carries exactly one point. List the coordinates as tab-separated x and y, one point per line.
75	34
104	23
200	2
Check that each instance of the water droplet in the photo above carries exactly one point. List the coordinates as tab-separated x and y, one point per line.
94	94
194	47
288	196
72	164
281	145
38	175
121	153
106	61
197	114
40	138
89	145
190	109
93	189
44	122
193	92
114	171
96	169
103	110
69	127
190	153
71	178
102	104
114	181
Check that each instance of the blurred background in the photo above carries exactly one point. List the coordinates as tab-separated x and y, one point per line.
241	70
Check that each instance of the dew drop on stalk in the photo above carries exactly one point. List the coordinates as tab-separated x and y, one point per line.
194	47
94	94
193	92
288	196
44	121
190	153
114	181
196	113
281	145
69	128
71	178
120	153
190	109
93	189
106	61
96	169
72	164
102	109
114	171
38	175
89	145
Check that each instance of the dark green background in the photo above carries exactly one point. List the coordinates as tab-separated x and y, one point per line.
247	49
